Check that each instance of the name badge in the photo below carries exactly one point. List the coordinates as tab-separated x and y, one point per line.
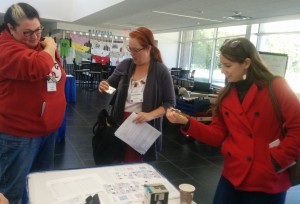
136	97
51	86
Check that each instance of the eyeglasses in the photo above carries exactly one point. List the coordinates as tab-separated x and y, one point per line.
37	32
232	44
134	50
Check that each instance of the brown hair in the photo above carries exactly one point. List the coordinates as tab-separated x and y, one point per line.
146	38
17	12
237	50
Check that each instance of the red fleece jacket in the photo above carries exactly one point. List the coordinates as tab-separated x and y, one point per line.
27	109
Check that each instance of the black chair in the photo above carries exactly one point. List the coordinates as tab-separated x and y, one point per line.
175	74
96	75
191	80
82	73
183	76
202	87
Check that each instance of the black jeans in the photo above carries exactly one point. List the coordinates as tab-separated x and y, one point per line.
227	194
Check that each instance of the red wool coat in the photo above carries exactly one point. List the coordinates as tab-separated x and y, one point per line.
245	131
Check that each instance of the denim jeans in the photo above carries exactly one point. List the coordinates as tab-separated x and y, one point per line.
227	194
18	157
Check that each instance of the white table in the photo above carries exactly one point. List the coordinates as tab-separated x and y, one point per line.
114	184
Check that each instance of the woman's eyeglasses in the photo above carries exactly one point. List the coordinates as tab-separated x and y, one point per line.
134	50
232	44
37	32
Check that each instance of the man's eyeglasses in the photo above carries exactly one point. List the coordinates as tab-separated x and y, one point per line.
134	50
37	32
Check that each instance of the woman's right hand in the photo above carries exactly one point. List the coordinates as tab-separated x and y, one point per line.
49	43
103	85
49	46
176	118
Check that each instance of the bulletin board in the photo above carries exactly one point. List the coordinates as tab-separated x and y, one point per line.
276	62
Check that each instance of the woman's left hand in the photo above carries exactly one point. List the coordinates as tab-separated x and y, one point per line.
143	117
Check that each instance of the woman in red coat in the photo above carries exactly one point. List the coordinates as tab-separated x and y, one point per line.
245	124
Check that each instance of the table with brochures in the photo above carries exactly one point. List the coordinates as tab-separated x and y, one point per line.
115	184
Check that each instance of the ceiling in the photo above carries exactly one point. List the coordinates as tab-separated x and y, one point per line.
171	15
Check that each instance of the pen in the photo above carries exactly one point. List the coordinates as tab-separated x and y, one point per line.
179	112
148	188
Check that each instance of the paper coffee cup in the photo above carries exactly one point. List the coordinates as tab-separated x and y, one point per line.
186	193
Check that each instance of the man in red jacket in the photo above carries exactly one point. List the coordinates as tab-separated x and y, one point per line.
32	99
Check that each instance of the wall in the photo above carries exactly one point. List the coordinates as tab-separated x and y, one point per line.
168	44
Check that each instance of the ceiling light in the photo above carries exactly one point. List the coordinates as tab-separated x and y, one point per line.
120	25
180	15
237	16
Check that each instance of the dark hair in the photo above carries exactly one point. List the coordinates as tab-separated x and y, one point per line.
17	12
237	50
146	38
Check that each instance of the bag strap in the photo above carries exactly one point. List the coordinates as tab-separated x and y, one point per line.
113	99
276	106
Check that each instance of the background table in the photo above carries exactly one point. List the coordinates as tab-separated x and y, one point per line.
70	93
70	89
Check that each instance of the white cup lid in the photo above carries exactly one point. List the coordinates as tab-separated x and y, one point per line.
187	187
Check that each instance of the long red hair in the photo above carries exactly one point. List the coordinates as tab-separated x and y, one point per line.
146	38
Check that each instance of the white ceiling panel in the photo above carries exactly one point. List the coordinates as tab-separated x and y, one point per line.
178	14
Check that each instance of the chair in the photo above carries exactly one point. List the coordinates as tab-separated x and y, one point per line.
202	87
175	74
191	80
96	75
82	73
183	76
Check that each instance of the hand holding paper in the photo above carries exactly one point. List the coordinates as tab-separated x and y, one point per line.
139	136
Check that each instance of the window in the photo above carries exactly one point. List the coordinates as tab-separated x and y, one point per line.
201	53
200	48
185	51
278	43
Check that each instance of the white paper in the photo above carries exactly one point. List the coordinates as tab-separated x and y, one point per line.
71	187
139	136
275	143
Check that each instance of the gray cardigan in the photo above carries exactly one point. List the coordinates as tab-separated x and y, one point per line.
159	91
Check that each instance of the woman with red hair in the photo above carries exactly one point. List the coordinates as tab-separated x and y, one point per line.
144	86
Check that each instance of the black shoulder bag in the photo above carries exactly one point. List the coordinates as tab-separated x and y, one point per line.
294	170
107	148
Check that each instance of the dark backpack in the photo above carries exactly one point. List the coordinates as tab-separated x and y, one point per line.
107	148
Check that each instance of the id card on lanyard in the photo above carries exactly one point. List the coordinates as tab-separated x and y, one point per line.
53	78
137	91
51	84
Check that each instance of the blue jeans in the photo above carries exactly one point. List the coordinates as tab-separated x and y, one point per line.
227	194
18	157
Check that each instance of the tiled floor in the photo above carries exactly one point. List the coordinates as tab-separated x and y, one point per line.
182	159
